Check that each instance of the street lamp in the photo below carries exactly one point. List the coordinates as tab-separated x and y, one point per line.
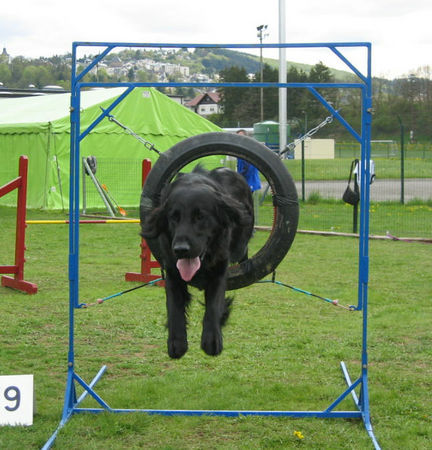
412	83
261	35
303	154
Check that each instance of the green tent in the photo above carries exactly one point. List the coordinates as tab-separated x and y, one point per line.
39	127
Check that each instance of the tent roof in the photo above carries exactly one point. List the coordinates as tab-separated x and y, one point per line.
145	110
47	108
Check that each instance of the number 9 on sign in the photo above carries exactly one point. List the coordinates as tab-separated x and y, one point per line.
16	400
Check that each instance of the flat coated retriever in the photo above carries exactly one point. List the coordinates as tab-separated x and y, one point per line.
204	222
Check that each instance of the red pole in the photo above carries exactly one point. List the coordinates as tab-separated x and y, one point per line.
21	218
147	264
20	183
146	167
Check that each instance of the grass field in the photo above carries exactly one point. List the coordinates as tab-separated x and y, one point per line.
318	214
282	348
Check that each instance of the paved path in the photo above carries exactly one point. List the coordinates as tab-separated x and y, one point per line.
380	190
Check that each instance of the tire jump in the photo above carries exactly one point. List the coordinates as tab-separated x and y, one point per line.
285	200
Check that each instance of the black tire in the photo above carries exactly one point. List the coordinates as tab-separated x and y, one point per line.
282	185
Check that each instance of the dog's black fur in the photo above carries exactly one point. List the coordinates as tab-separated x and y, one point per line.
205	215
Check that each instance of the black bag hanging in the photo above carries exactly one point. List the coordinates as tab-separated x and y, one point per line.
352	196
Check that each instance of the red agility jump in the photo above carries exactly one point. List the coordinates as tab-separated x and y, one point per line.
147	264
17	281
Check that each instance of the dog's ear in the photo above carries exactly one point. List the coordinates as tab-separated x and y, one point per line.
155	223
231	211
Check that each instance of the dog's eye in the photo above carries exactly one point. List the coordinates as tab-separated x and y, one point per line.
197	215
174	216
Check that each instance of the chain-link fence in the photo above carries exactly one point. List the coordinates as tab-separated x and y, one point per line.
399	206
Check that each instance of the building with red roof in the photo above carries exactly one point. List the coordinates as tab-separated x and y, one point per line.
205	104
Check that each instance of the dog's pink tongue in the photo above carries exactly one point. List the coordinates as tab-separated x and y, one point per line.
188	267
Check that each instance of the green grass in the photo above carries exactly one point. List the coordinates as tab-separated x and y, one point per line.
282	348
410	220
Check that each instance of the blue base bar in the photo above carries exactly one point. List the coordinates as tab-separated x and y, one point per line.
326	414
228	413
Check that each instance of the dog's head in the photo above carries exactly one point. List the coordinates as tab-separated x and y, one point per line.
194	215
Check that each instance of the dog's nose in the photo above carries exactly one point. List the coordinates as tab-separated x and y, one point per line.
181	249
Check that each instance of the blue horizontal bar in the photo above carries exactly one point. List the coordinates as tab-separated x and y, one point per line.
168	45
226	413
226	84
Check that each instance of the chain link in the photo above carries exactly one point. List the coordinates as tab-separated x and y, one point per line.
147	144
292	145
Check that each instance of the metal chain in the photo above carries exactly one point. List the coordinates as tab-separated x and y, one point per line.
292	145
147	144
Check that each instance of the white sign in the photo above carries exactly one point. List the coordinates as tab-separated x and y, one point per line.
16	400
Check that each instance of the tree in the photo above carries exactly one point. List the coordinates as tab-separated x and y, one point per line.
144	76
17	67
36	75
271	95
234	99
297	99
103	76
130	75
5	74
320	73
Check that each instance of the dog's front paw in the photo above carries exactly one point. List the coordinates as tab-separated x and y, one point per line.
177	348
211	343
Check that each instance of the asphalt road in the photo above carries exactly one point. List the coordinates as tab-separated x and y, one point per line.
380	190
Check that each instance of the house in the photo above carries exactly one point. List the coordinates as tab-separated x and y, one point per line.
205	104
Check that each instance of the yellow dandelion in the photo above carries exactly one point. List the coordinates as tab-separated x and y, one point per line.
298	434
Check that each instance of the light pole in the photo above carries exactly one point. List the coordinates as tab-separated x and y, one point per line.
303	154
412	83
261	35
283	105
402	141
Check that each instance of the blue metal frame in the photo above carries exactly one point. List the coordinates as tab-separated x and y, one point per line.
361	402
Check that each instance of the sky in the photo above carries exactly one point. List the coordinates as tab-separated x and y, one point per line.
400	31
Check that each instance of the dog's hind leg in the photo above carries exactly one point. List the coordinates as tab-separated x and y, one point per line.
177	300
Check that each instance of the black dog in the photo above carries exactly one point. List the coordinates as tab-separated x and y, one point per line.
204	222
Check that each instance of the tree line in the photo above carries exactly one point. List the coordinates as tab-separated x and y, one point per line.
21	72
241	107
406	101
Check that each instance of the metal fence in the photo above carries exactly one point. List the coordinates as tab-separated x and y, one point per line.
320	194
385	149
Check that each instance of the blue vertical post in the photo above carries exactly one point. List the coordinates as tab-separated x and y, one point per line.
364	237
70	395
